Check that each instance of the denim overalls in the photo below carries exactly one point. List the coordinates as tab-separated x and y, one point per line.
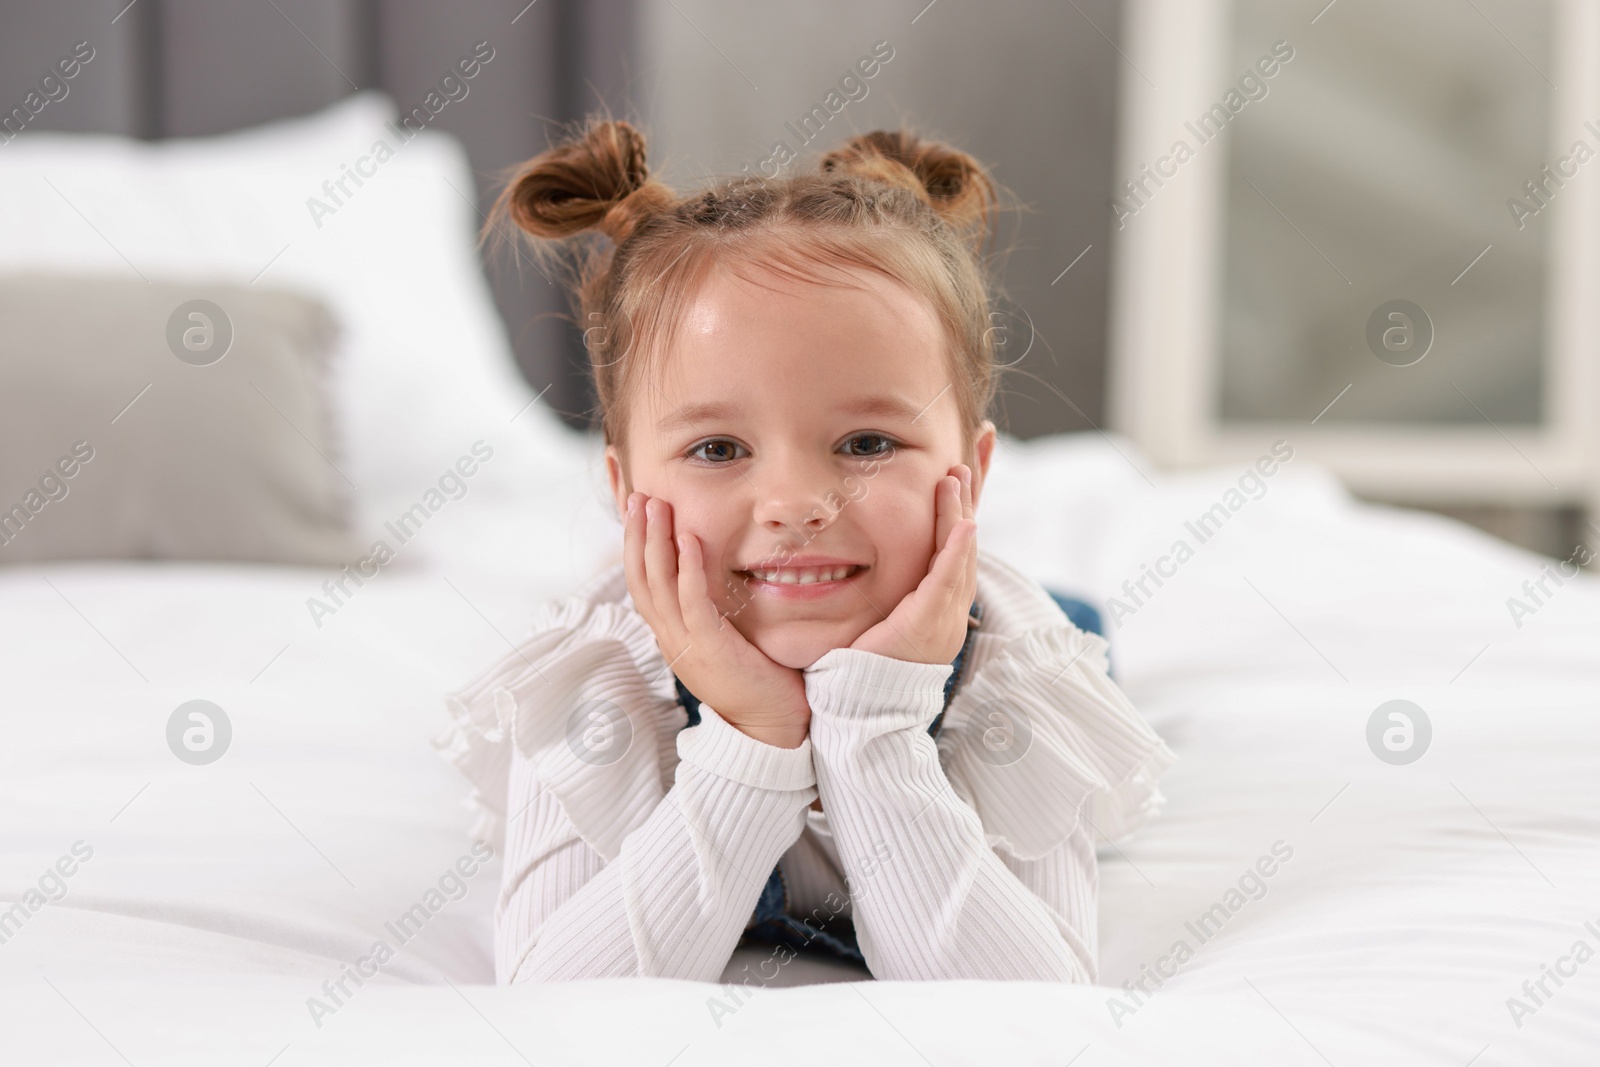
771	924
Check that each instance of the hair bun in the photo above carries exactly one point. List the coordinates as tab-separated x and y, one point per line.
953	183
597	180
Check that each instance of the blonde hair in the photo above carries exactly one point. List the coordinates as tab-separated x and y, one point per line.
917	211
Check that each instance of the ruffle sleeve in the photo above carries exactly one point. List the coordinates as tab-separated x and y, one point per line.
1041	737
578	699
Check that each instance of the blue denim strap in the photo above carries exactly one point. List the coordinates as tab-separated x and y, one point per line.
1084	616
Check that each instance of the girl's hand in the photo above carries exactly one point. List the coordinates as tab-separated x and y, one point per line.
667	579
930	624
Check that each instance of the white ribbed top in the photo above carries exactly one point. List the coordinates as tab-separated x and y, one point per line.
636	846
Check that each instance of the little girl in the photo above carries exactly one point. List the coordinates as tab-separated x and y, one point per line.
805	711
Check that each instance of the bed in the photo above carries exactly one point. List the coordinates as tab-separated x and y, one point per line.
1313	891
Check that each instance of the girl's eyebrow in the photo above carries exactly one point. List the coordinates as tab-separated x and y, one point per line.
707	411
886	405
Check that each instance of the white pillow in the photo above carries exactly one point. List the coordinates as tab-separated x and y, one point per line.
424	368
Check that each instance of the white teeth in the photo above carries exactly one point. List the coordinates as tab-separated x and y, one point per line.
804	576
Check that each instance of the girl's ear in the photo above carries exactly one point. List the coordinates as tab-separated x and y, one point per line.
983	446
619	480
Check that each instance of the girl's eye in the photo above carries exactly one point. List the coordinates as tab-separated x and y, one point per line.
716	458
884	445
720	451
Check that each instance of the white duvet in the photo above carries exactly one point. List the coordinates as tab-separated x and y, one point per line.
1300	900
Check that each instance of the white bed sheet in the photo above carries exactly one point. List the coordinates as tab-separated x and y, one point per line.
1417	900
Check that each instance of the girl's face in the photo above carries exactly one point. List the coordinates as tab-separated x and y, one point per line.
797	430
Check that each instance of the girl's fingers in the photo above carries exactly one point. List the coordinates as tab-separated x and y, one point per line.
946	510
969	513
633	556
661	564
941	600
951	565
972	562
933	592
939	587
694	597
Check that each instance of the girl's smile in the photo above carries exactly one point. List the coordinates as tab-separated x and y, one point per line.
802	577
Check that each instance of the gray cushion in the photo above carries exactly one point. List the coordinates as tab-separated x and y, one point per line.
137	425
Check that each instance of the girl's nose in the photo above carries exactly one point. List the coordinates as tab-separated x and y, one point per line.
798	500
